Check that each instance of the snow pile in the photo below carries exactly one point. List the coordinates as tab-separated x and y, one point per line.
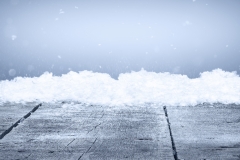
130	88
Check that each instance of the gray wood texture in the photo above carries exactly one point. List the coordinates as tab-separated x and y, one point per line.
12	112
206	131
80	131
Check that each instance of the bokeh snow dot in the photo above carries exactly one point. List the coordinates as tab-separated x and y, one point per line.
30	68
14	37
12	72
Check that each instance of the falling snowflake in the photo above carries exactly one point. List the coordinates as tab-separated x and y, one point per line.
14	37
187	23
61	11
176	69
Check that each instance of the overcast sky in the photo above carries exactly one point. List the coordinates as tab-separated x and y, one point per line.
118	36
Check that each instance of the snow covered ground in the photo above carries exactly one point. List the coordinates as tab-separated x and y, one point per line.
133	88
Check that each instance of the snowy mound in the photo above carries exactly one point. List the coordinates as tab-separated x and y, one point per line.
130	88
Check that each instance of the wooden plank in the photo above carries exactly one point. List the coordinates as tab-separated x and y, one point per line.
12	112
206	131
80	131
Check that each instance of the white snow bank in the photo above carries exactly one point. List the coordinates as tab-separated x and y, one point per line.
130	88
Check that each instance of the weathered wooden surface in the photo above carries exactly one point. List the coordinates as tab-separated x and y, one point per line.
206	131
79	131
10	113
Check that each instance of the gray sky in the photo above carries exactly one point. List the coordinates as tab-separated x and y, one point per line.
118	36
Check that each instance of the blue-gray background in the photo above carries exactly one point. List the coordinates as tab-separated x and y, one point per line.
118	36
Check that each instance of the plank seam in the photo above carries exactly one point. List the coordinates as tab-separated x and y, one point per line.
88	148
170	131
19	121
